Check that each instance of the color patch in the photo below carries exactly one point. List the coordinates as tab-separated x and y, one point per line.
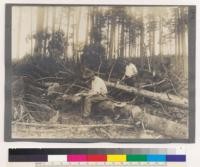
97	158
77	158
116	158
175	158
136	158
57	158
156	158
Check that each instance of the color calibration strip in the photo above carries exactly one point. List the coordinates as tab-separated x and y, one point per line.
99	158
98	155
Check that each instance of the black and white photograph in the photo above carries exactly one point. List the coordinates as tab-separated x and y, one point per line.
100	72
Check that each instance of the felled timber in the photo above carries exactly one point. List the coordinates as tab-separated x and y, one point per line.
170	99
62	126
158	124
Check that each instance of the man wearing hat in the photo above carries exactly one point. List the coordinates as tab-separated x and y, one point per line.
97	92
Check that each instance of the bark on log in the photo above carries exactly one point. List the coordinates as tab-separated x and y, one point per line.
158	124
170	99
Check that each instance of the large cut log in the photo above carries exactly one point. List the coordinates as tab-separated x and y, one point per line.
158	124
170	99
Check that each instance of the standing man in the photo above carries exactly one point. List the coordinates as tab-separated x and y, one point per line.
97	93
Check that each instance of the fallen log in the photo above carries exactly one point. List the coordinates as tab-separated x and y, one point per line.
153	84
62	126
158	124
170	99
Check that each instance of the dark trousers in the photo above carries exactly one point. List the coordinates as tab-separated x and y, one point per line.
130	81
88	101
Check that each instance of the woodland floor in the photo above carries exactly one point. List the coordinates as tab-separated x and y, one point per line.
71	117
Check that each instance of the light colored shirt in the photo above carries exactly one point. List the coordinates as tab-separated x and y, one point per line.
53	88
98	86
131	70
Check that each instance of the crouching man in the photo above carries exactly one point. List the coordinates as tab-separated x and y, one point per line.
97	93
130	74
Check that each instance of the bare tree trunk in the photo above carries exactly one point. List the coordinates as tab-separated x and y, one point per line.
31	17
160	39
176	40
130	43
40	19
153	47
60	19
53	19
108	38
112	36
77	34
87	27
39	29
149	43
179	39
142	41
122	39
67	34
184	46
19	34
73	43
92	24
118	40
125	42
46	29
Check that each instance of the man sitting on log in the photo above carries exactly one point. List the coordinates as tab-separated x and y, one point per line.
97	92
130	74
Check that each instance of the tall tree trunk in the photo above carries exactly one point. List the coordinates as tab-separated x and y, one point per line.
46	29
142	41
184	44
153	44
31	17
176	40
53	19
125	43
179	39
39	29
130	43
19	34
150	44
114	42
87	27
73	40
118	40
60	19
108	37
112	37
92	16
77	34
160	39
142	47
122	39
67	34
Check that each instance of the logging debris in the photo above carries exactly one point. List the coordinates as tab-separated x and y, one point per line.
44	100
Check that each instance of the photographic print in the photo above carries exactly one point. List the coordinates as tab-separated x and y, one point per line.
90	73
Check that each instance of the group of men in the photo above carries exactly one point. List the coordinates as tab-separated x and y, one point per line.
98	90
